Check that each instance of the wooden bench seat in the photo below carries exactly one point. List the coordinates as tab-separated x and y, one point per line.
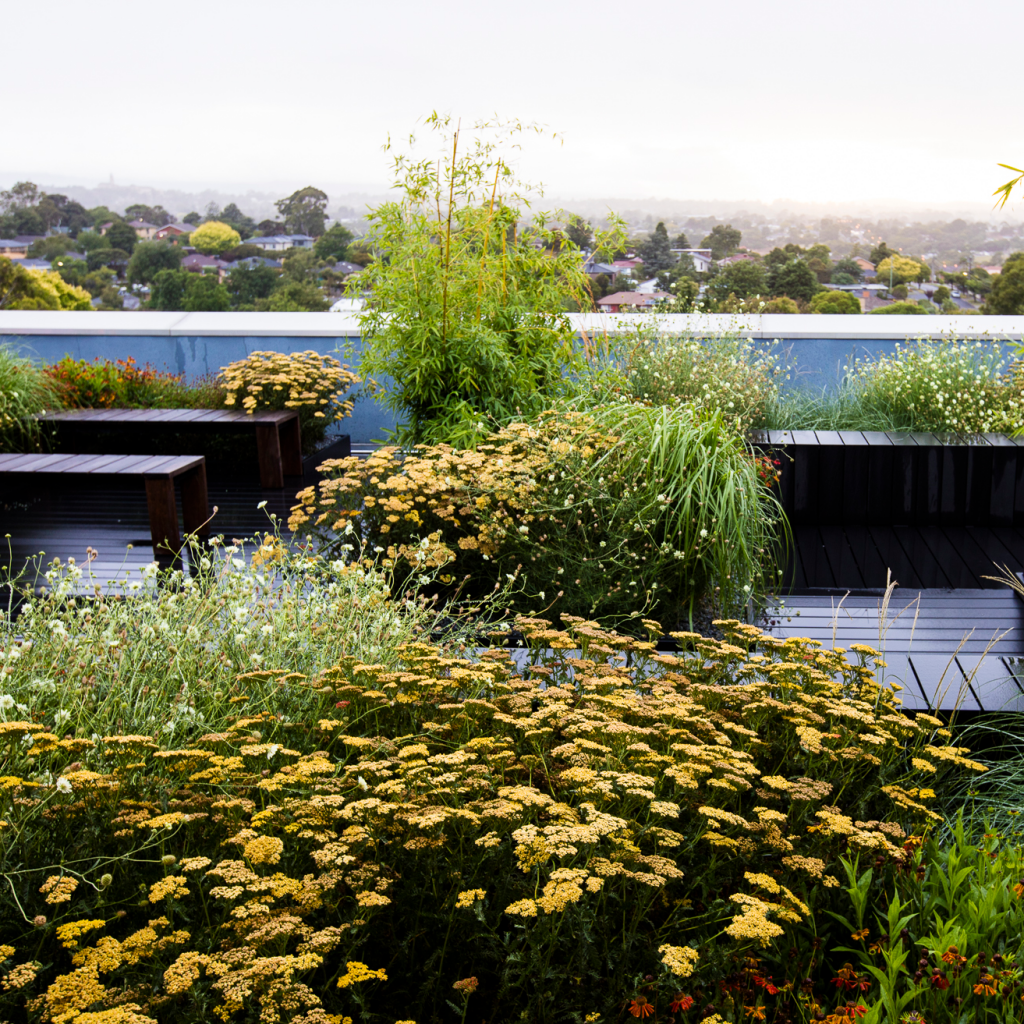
159	473
278	441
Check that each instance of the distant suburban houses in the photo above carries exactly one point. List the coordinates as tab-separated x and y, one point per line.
281	243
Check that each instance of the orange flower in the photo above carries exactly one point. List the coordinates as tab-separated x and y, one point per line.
640	1007
754	1012
985	986
857	936
681	1002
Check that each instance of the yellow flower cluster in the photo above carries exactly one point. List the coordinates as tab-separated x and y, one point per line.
357	972
680	960
307	381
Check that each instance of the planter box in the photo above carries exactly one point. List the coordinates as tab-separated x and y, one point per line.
917	479
339	448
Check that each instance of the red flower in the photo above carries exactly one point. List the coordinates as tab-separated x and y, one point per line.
681	1002
639	1007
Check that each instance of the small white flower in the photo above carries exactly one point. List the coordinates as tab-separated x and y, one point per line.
272	750
6	702
425	543
524	529
63	786
541	596
61	716
362	783
262	504
703	533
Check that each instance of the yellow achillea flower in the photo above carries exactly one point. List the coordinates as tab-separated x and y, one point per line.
469	897
522	908
263	850
356	972
59	888
173	885
680	960
70	933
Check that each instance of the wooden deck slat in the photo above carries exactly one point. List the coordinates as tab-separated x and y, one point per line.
943	683
991	680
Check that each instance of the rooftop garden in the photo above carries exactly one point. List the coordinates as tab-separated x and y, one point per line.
487	734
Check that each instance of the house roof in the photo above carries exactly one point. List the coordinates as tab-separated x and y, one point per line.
258	239
181	229
345	267
140	223
199	260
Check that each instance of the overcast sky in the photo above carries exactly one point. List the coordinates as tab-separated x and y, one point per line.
731	99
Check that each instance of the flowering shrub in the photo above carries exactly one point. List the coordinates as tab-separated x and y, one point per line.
948	385
603	513
317	386
124	384
24	391
191	832
724	372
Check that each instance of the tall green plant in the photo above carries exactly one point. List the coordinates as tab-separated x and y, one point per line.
24	390
469	298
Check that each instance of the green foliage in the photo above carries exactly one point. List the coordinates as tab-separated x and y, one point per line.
247	284
848	266
903	268
24	391
467	317
723	240
792	278
880	253
745	280
304	212
1007	291
733	376
37	289
835	302
120	236
149	258
898	309
213	238
294	297
205	294
656	252
333	243
579	231
233	217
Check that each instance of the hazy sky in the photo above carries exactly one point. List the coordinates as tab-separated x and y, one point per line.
731	99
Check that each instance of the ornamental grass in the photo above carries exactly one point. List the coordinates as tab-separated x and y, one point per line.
267	794
24	391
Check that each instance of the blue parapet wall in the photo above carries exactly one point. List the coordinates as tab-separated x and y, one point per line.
201	343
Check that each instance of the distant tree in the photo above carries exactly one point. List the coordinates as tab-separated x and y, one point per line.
1007	295
103	215
205	294
89	240
333	243
834	302
686	293
248	284
192	218
777	257
838	277
51	247
681	241
108	257
579	232
244	251
656	252
271	227
879	253
900	293
153	214
904	269
359	255
243	224
168	290
22	220
37	289
794	279
899	309
212	211
110	299
847	265
122	236
214	237
941	295
294	297
150	258
781	304
73	271
744	280
722	240
21	194
304	212
300	265
96	280
76	219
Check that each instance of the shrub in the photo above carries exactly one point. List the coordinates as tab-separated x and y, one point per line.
727	373
469	301
835	302
604	513
318	386
208	812
949	385
898	309
124	384
37	289
24	391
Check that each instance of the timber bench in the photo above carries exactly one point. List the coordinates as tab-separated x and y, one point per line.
159	473
278	442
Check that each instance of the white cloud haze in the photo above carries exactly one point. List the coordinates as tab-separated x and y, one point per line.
729	100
